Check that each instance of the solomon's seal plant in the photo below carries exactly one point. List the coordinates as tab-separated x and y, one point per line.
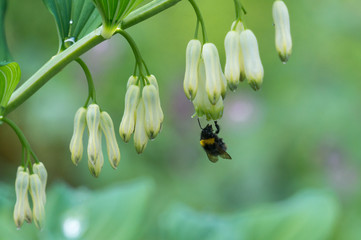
84	24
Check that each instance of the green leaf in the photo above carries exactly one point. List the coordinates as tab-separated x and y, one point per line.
308	215
9	78
117	212
113	12
74	19
4	50
180	222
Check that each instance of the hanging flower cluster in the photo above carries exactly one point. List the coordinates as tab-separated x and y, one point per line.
99	123
35	184
204	82
143	114
243	59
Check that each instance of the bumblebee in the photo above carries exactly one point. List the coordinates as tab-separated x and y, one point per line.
212	144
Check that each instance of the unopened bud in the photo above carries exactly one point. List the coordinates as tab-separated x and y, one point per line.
214	85
21	191
93	122
96	166
40	170
252	61
127	124
132	81
28	212
152	124
107	127
140	136
153	81
76	143
37	199
193	54
281	20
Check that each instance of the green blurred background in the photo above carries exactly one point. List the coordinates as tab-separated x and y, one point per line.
295	144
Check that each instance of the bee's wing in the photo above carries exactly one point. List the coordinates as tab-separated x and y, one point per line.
225	155
212	158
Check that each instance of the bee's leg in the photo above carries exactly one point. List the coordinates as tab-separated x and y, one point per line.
217	127
199	123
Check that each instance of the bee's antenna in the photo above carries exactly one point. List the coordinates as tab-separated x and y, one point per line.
199	123
217	127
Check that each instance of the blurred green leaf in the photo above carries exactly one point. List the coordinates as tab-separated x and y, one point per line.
114	213
180	222
4	51
308	215
74	19
9	78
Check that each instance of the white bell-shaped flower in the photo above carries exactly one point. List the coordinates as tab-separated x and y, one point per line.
22	203
40	170
215	84
76	143
107	127
127	124
140	136
201	103
252	61
283	31
193	54
35	188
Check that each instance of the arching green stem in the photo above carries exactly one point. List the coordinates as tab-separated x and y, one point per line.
196	31
239	9
200	19
59	61
89	79
21	136
133	45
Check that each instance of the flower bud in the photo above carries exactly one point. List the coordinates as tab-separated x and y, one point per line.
96	166
214	85
22	203
140	136
107	127
76	143
152	124
283	33
234	69
37	199
252	61
93	122
127	124
153	81
201	102
132	81
193	54
40	170
28	212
